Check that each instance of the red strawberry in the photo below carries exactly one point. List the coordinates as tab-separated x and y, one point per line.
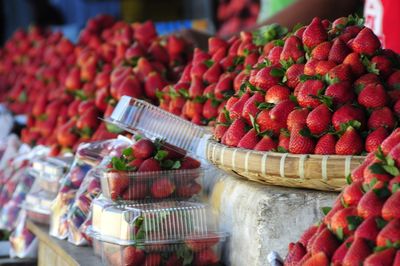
196	87
224	84
240	79
390	233
347	113
300	144
340	253
384	258
274	55
153	259
373	96
277	94
318	259
339	73
174	260
265	122
308	91
389	143
321	51
143	149
390	209
350	143
215	43
268	77
310	66
397	259
293	74
185	78
352	194
354	61
206	257
369	174
358	173
337	206
235	133
340	221
368	229
314	34
210	109
326	242
358	251
292	50
323	67
136	191
382	117
365	80
306	236
284	140
231	102
149	165
162	188
118	182
236	110
212	74
154	82
295	254
394	80
375	138
281	111
319	119
365	42
222	125
326	145
383	65
297	118
189	163
250	60
249	141
370	205
266	144
339	51
250	107
396	107
133	256
341	93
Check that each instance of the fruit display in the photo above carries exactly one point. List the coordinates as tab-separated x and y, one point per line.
23	242
151	170
362	227
188	236
325	88
63	87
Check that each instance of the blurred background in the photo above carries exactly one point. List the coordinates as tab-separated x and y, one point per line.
69	16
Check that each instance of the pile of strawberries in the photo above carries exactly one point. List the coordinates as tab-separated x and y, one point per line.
127	178
363	226
64	88
325	88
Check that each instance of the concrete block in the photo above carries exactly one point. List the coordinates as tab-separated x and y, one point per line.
263	218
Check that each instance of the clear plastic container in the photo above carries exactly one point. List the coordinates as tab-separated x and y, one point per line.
38	205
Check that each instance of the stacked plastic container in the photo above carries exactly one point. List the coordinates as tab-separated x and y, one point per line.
155	217
48	173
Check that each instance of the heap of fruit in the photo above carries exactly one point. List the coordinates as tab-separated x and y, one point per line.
64	88
126	176
363	226
325	88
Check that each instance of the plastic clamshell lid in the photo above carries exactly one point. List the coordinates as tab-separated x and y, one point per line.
39	202
137	116
51	168
149	223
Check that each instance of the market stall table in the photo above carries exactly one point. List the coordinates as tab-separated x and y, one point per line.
53	251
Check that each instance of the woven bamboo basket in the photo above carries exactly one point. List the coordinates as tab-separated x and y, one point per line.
320	172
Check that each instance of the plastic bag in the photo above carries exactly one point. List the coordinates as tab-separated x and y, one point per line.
24	244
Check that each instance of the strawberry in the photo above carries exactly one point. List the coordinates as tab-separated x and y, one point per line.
153	83
394	80
250	107
382	117
396	259
235	133
250	60
210	109
153	259
355	63
314	260
325	145
249	141
293	74
358	251
337	206
321	51
319	119
390	209
292	50
133	256
365	80
326	242
196	87
350	143
240	79
323	67
268	77
149	165
339	73
174	260
307	93
277	94
370	205
274	55
358	173
281	111
215	43
136	191
365	42
300	31
185	78
352	194
231	102
295	254
224	85
390	233
222	125
368	229
212	74
373	96
339	51
384	258
266	144
297	118
300	144
118	182
187	190
189	163
375	138
236	110
206	257
340	253
340	92
347	113
310	66
370	174
383	65
306	236
284	140
265	122
390	142
314	34
162	188
396	107
196	244
341	221
143	149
